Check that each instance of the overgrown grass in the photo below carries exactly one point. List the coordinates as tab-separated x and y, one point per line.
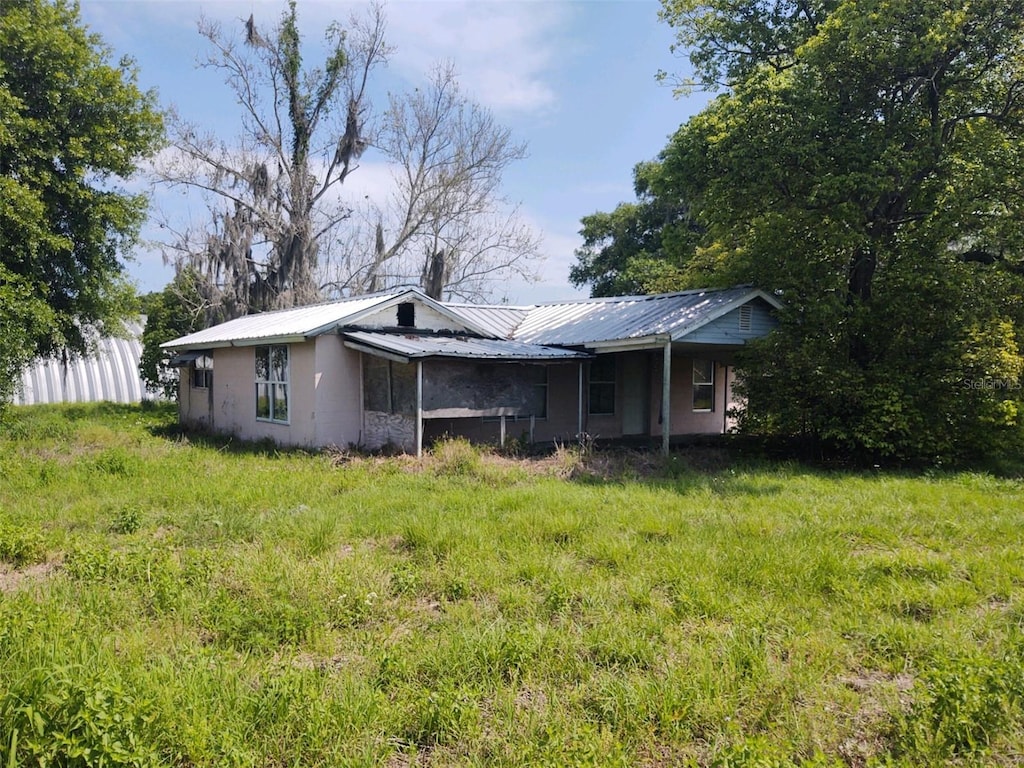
166	600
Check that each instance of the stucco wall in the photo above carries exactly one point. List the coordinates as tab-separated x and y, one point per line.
230	405
686	421
337	382
195	405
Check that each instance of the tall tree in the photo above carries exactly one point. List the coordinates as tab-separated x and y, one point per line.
865	161
446	225
641	247
182	307
72	126
273	192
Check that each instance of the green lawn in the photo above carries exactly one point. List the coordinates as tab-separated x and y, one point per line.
167	600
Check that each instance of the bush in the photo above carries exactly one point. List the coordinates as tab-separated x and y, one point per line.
74	718
20	547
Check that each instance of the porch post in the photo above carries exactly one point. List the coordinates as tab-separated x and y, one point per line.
579	405
666	394
419	408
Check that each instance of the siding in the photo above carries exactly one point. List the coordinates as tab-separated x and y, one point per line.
427	318
726	329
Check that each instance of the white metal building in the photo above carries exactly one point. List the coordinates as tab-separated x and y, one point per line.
110	374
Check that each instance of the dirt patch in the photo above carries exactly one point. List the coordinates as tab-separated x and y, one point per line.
13	579
880	695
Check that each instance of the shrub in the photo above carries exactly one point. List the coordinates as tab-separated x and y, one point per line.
457	457
962	705
20	547
74	718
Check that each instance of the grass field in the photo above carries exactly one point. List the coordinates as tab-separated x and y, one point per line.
192	602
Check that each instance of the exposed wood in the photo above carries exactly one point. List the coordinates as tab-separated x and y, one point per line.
468	413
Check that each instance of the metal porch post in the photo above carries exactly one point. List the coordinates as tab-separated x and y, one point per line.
666	394
419	408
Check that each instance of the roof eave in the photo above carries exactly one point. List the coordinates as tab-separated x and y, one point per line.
172	346
653	341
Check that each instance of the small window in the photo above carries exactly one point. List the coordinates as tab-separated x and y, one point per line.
703	385
202	372
602	386
538	375
272	383
388	387
407	315
746	311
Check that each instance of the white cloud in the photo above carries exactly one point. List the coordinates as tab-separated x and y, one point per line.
504	51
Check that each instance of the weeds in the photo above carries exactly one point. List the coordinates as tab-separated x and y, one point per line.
210	604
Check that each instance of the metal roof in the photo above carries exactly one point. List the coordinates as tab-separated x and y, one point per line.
498	321
283	323
621	318
304	322
583	322
110	373
418	346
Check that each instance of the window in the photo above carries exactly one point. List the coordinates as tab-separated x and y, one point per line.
703	385
602	386
538	378
202	372
272	383
388	387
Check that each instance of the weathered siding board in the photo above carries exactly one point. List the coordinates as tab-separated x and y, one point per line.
560	423
427	318
482	386
726	329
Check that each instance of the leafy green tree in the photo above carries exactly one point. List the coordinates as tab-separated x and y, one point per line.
642	247
71	126
864	161
177	310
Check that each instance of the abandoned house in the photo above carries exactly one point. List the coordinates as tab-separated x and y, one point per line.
401	369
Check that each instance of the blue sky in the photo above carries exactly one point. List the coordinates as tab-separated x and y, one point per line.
574	80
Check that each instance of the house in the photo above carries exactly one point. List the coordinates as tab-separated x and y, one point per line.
400	368
109	373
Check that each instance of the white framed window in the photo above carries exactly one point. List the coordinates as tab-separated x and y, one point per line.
272	383
602	386
202	372
703	385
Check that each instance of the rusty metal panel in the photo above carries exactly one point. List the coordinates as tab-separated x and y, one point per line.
417	346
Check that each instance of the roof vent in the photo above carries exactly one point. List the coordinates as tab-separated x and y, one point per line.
407	315
746	311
